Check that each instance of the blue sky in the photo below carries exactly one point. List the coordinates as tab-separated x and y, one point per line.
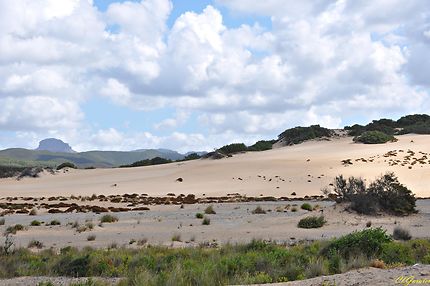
195	75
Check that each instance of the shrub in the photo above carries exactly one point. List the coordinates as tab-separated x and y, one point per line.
13	229
55	222
262	145
66	165
33	212
176	237
401	234
35	244
199	215
258	210
293	209
367	242
35	223
307	207
91	237
108	219
233	148
311	222
2	221
386	194
298	135
374	137
210	210
206	221
148	162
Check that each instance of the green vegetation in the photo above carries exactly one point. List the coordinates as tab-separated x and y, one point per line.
91	237
148	162
210	210
233	148
255	262
35	223
401	234
311	222
66	165
299	134
35	244
374	137
258	210
2	221
108	219
13	229
262	145
206	221
307	207
385	194
199	215
192	156
417	123
55	222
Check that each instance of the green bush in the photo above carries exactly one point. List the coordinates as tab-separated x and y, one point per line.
55	222
148	162
262	145
233	148
386	193
401	234
206	221
108	219
210	210
13	229
374	137
368	242
199	215
307	207
66	165
311	222
298	135
35	223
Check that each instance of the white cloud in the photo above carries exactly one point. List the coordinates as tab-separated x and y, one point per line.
320	62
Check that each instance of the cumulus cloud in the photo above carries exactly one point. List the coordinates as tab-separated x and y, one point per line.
323	61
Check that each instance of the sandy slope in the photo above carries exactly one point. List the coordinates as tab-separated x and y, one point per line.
298	168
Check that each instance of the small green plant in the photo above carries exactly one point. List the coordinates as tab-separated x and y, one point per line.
311	222
206	221
108	219
401	234
199	215
33	212
13	229
35	223
91	237
306	206
55	222
210	210
35	244
258	210
294	209
176	237
66	165
374	137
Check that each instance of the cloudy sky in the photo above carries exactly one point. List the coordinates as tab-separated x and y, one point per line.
197	74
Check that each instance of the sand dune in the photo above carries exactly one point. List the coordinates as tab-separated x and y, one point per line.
302	169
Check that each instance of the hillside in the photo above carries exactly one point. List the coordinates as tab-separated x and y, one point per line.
303	169
25	157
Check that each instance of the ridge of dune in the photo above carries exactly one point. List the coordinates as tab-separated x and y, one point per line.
303	169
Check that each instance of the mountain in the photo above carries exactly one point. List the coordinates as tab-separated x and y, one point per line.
54	145
52	152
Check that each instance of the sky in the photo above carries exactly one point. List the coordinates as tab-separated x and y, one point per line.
198	74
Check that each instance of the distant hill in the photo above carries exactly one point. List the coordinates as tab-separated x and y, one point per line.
52	152
25	157
54	145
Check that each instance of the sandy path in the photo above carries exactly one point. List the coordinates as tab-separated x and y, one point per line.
303	169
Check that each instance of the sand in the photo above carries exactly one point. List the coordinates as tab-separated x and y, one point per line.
303	169
232	223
